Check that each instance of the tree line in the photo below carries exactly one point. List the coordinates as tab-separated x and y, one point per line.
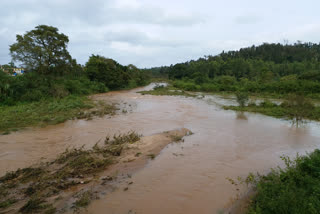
52	72
274	68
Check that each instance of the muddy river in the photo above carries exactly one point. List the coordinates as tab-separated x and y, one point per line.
188	177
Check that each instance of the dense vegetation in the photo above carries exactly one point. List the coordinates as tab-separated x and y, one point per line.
114	75
52	75
294	189
269	68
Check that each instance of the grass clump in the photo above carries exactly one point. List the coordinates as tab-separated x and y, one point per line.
130	137
116	144
7	203
81	161
152	156
35	205
294	189
83	200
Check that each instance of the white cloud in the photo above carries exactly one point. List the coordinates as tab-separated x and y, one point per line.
153	33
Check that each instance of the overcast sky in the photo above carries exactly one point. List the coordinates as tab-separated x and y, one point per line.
161	32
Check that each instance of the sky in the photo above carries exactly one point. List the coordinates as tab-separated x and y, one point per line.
150	33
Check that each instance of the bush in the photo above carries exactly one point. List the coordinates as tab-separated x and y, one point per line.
209	87
294	189
114	75
267	104
32	87
242	98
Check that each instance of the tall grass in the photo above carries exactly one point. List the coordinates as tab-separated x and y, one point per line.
50	111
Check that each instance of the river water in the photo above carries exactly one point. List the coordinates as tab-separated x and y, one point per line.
188	177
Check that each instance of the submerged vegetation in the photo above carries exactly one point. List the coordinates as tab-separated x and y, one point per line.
296	108
162	90
33	187
294	189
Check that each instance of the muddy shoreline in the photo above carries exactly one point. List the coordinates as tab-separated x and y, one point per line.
71	189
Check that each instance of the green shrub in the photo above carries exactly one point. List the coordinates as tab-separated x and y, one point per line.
242	98
293	190
267	104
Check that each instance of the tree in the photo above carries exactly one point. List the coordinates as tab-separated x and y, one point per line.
107	71
43	49
300	107
242	98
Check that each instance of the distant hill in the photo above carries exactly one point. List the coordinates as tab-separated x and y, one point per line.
264	62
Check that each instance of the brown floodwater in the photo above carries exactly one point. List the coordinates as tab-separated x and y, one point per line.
188	177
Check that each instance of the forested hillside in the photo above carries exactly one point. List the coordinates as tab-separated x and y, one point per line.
274	68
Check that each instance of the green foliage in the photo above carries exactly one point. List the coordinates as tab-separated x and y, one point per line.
84	199
114	75
242	98
50	111
294	189
295	108
34	205
7	203
269	68
53	73
43	49
300	107
169	90
32	87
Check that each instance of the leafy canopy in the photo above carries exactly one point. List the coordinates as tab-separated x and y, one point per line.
43	49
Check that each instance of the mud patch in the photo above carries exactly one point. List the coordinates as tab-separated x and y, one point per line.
78	176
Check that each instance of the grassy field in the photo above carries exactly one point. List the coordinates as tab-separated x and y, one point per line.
294	189
52	111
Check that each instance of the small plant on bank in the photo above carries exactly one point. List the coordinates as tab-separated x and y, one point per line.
83	200
299	106
242	98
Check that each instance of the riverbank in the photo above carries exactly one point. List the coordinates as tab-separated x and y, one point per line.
278	111
51	111
289	189
285	108
187	177
80	175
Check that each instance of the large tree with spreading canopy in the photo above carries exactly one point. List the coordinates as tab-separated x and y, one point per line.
43	49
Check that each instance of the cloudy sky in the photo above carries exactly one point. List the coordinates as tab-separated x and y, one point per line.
161	32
